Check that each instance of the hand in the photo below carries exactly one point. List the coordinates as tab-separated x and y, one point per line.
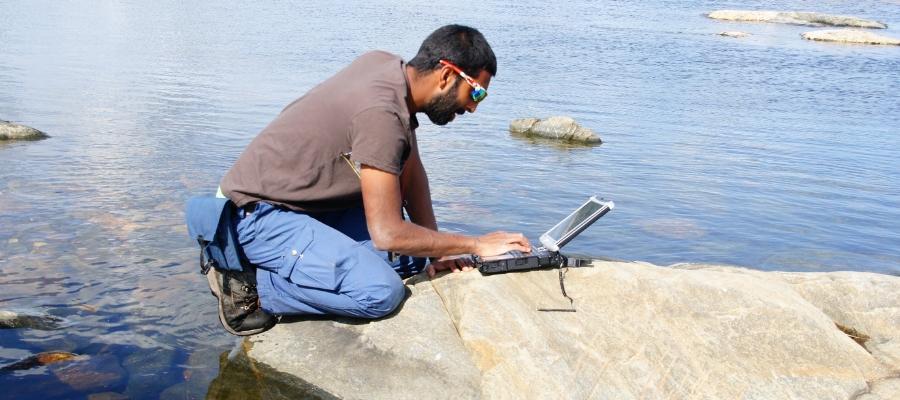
453	263
495	243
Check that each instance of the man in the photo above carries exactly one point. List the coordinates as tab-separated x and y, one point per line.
320	192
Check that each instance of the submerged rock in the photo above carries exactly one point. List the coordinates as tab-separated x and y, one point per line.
558	128
38	360
108	396
200	369
16	320
159	360
90	372
239	377
734	34
639	331
13	131
672	228
796	18
850	36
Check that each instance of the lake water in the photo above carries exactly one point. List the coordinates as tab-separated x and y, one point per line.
768	151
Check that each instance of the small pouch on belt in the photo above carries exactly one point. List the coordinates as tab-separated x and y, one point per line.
209	221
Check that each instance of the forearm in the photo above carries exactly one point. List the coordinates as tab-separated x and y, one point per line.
415	240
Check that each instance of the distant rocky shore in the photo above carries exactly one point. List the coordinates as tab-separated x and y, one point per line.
850	36
796	18
856	36
638	331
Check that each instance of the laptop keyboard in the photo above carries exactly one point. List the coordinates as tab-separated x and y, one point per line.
534	251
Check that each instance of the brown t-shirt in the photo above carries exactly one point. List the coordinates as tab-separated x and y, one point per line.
296	161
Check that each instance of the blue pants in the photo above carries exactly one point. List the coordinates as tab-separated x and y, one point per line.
321	263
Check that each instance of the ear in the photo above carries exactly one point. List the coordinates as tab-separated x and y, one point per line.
445	77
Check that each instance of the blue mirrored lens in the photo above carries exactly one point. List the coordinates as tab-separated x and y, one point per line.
478	94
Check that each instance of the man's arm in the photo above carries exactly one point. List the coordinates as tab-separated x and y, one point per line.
382	201
416	193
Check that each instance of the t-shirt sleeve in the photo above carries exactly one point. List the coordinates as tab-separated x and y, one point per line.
379	140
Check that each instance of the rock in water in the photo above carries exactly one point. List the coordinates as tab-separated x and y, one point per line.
107	396
558	128
734	34
16	320
850	36
640	331
521	126
837	20
37	360
796	18
13	131
90	372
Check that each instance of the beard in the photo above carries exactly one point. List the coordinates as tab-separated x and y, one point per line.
441	109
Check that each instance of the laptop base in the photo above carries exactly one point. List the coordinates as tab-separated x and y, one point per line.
538	259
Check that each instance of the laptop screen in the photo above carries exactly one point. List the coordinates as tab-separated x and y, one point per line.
576	222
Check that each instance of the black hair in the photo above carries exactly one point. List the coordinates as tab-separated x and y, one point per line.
461	45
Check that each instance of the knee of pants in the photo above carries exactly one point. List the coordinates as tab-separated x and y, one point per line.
384	299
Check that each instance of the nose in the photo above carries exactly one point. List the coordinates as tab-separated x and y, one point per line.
471	106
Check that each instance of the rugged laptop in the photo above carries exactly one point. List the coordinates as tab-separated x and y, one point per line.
547	255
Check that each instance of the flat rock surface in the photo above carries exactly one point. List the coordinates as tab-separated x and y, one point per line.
640	331
13	131
795	17
850	36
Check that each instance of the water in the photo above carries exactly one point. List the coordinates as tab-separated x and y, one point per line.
768	152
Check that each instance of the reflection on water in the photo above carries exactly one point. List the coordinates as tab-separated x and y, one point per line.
242	378
768	152
560	145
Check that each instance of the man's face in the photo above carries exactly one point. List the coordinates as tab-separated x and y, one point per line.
445	106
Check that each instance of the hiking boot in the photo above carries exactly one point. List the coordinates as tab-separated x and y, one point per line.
239	310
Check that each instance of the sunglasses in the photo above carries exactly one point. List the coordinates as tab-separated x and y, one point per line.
478	91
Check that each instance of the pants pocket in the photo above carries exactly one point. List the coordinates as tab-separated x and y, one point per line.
319	265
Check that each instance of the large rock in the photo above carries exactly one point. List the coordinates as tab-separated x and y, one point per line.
557	128
13	131
640	331
850	36
794	17
416	351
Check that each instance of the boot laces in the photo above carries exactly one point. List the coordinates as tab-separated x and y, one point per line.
250	297
247	296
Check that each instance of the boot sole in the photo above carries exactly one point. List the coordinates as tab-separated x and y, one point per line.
213	278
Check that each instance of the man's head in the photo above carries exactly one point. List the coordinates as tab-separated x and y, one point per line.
460	47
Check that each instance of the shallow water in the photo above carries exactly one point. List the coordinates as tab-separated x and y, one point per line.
768	151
